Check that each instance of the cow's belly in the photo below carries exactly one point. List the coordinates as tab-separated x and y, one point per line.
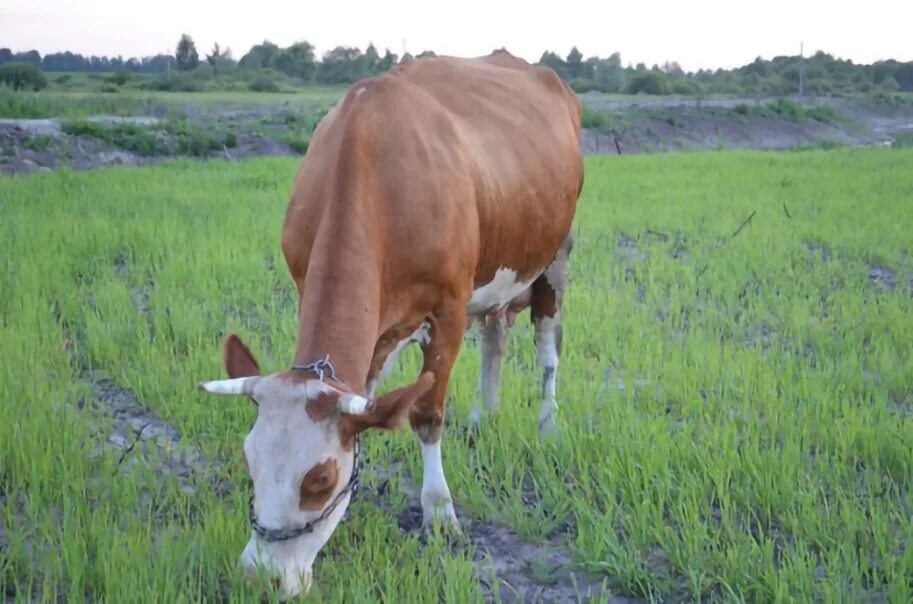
497	293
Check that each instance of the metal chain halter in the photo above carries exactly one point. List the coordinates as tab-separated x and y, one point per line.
320	367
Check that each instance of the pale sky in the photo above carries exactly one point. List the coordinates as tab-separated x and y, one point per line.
696	33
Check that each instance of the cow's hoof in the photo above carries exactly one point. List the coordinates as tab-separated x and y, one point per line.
442	516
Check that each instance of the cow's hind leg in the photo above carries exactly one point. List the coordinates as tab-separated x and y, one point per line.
427	415
494	337
545	312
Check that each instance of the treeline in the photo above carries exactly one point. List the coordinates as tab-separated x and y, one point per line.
266	65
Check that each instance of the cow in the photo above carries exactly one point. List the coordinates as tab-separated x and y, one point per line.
437	194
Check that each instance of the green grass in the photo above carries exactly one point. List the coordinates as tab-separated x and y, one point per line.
147	140
68	103
903	141
759	451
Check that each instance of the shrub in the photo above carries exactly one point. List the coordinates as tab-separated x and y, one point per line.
903	141
63	79
824	114
177	82
40	142
787	109
649	82
264	83
118	78
596	120
299	144
22	76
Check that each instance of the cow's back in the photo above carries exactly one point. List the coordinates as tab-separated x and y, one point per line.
468	163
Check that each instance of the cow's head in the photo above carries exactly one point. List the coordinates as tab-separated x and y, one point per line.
301	456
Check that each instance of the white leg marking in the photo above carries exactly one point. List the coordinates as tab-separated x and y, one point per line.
436	500
547	357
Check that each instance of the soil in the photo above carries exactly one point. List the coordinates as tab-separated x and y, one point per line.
40	145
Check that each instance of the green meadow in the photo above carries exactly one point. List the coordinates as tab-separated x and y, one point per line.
736	389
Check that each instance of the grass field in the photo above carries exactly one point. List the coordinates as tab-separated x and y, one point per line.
736	403
70	104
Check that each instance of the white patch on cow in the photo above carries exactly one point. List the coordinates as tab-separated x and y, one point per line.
503	288
283	445
547	358
422	336
359	91
436	499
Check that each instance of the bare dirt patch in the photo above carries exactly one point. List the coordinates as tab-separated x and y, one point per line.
138	436
508	568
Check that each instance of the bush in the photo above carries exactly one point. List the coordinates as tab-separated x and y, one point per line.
824	114
187	140
264	83
62	79
596	120
787	109
903	141
118	78
129	137
686	88
22	76
299	144
40	142
649	82
110	88
177	82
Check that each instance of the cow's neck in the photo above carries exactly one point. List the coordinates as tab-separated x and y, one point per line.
339	311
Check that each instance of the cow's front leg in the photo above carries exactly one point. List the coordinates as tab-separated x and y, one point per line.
427	415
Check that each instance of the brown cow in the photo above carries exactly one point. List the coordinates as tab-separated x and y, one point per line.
438	193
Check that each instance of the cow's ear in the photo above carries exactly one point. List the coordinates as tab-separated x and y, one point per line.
239	362
389	408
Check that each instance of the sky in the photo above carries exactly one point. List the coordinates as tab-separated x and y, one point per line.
695	33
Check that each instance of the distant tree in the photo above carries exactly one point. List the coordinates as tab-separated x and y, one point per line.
343	65
186	55
372	58
213	57
556	63
260	56
388	61
648	82
889	84
22	76
298	61
575	63
425	54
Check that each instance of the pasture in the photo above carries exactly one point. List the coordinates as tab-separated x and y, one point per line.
736	393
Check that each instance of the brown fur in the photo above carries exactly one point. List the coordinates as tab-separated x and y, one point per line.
317	486
417	187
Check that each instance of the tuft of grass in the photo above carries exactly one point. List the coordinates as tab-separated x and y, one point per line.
735	420
172	137
595	119
903	141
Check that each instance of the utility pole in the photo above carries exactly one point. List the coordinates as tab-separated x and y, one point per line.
801	69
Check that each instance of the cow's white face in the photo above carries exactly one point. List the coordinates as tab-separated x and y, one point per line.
300	454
